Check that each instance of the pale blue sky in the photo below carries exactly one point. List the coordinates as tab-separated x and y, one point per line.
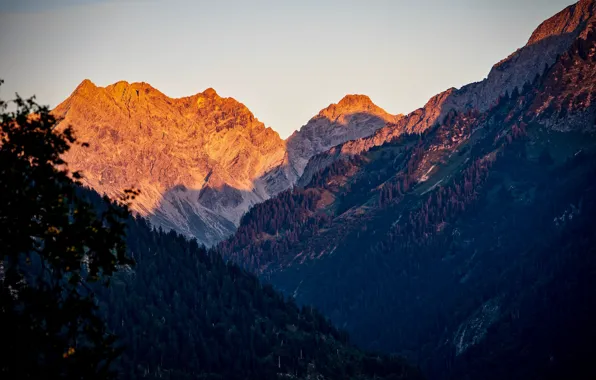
284	59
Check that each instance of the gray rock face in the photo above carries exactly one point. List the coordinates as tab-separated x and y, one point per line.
353	117
552	38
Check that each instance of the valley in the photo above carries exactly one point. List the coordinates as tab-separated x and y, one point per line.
453	242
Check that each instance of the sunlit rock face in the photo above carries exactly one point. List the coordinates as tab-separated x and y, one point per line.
201	161
355	116
196	159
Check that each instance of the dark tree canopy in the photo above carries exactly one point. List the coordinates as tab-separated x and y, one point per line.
53	245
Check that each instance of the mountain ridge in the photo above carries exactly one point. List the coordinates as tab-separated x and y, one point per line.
200	161
141	138
454	227
549	40
246	162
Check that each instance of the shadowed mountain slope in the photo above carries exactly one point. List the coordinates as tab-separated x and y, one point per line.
181	312
466	243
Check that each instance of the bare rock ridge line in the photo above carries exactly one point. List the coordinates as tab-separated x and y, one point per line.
423	244
200	161
566	21
194	159
551	39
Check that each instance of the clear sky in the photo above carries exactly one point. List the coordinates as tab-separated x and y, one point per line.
285	60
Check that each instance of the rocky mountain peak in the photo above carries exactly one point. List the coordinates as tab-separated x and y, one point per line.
564	22
210	93
86	84
195	159
352	100
85	88
353	104
353	117
226	108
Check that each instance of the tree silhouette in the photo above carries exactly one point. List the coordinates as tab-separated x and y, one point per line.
53	245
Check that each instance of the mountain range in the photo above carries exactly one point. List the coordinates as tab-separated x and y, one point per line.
202	161
459	235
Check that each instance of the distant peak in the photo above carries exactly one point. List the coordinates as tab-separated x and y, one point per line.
85	88
353	104
355	99
122	84
350	104
86	83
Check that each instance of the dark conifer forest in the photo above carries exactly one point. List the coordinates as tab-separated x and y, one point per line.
453	246
89	291
213	319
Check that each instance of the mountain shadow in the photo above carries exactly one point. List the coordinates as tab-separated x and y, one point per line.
212	213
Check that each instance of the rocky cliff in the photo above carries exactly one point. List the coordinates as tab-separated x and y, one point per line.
196	159
200	161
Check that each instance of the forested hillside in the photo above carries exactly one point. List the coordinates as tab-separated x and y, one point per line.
88	291
182	312
452	245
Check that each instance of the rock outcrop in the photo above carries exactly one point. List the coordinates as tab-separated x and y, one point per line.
352	118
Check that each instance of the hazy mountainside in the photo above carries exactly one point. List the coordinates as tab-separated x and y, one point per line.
446	235
183	313
199	161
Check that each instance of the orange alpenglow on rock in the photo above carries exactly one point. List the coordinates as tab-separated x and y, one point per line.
200	161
